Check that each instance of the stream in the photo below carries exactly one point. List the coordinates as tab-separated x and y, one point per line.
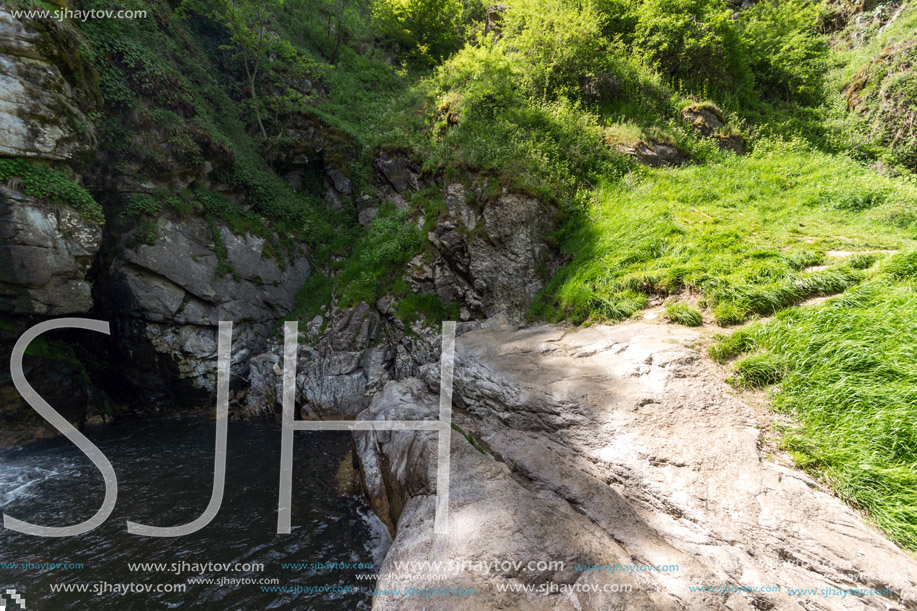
165	470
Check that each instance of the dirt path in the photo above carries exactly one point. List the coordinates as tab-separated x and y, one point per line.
617	445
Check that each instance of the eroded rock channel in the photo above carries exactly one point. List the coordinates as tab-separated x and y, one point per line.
604	446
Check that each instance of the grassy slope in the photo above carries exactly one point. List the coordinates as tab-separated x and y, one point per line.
742	232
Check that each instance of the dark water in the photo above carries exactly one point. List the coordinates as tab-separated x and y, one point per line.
165	471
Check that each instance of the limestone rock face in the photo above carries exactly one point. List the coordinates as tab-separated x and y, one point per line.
489	254
170	296
340	364
609	445
38	117
45	252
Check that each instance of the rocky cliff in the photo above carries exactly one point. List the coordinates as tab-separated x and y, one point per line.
132	205
163	278
609	446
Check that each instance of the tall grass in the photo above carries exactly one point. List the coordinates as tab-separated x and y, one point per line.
848	371
744	232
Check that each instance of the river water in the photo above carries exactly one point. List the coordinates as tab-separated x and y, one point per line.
165	472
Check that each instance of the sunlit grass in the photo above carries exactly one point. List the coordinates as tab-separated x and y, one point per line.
757	235
848	372
752	234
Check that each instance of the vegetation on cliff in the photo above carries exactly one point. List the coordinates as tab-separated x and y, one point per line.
571	101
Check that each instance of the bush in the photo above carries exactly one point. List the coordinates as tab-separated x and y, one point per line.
554	44
428	29
786	52
692	41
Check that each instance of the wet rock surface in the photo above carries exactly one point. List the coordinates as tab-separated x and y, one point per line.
611	445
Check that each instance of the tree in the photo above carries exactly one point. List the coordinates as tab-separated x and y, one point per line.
269	61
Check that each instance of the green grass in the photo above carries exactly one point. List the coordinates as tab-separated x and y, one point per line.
745	232
848	373
373	270
683	314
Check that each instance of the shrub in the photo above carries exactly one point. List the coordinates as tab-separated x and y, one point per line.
554	44
692	41
428	29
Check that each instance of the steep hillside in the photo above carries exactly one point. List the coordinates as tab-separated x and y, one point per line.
372	169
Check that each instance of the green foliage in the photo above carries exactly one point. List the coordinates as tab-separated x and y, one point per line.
137	204
52	186
427	29
847	371
267	60
315	294
785	49
683	314
741	232
554	45
373	270
224	267
488	120
53	350
330	25
884	96
414	306
693	41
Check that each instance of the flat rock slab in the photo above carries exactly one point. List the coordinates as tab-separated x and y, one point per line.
610	446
